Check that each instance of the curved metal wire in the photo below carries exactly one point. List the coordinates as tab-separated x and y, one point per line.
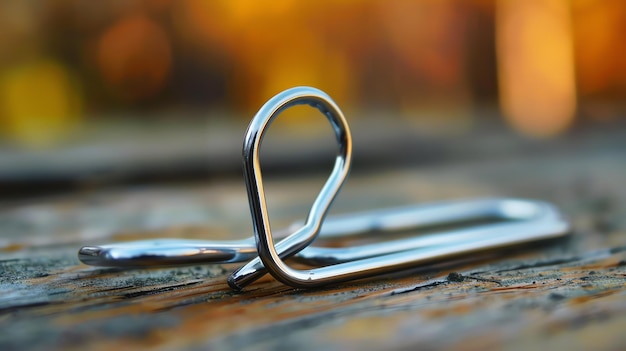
539	221
254	182
511	221
177	251
413	218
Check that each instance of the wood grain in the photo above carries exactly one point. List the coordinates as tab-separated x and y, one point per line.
569	294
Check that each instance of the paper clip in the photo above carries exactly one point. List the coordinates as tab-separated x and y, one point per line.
513	222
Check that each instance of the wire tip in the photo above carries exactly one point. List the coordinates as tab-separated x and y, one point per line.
233	284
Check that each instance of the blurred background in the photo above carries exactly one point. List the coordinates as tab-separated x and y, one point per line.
135	91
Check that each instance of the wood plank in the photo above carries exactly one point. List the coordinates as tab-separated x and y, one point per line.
565	294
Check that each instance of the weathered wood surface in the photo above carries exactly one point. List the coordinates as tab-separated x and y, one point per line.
570	294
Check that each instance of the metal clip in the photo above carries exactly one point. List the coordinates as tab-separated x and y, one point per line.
512	222
535	220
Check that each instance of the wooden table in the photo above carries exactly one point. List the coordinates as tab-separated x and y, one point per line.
569	294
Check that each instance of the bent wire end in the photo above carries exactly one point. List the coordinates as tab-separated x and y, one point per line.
167	252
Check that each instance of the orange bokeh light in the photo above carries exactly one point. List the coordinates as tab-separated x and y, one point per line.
272	45
134	56
536	65
599	28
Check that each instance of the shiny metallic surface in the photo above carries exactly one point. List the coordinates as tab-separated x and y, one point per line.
414	218
496	217
254	182
171	251
531	221
469	226
166	252
490	218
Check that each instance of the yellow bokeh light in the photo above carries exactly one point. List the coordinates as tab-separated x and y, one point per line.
39	102
273	47
536	65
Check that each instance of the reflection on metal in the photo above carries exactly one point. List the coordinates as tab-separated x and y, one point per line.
479	224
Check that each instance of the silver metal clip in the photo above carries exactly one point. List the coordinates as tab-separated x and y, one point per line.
511	222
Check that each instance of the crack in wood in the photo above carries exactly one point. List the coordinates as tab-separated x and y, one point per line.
156	291
21	307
